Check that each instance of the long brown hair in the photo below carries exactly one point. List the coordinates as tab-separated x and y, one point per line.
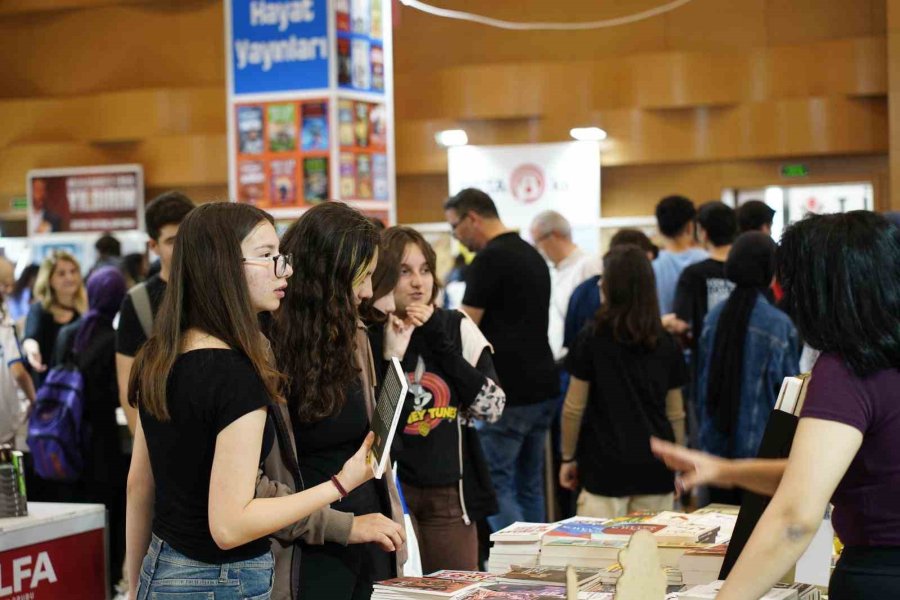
314	331
630	309
207	290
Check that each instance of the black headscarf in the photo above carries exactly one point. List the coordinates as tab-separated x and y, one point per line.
750	265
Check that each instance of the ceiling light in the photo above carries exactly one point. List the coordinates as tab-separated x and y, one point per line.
451	137
588	134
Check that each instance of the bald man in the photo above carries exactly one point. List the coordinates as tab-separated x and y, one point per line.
12	364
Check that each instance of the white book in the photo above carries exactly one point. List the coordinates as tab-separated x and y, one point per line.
387	415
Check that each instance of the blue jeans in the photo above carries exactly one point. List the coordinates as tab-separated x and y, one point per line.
166	574
514	449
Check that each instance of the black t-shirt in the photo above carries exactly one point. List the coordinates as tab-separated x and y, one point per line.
43	328
701	287
626	405
511	282
130	334
207	390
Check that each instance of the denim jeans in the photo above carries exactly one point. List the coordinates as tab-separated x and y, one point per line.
166	574
514	449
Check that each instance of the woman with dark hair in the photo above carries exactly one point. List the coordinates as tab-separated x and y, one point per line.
202	384
841	278
321	346
448	361
19	299
746	349
627	373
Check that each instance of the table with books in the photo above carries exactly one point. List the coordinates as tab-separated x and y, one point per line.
528	561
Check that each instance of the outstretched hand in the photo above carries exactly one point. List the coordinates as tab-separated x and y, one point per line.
693	467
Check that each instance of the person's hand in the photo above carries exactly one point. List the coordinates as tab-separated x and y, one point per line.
568	476
693	467
673	324
356	471
378	529
33	354
397	334
418	314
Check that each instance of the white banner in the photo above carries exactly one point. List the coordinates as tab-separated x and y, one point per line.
527	179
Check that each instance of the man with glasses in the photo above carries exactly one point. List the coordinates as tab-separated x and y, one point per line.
508	296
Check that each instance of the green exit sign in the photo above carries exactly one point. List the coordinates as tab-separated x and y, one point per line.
794	170
19	203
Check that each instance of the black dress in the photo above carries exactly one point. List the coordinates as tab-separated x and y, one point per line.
331	570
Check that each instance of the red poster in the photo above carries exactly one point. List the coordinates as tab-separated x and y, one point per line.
67	568
85	199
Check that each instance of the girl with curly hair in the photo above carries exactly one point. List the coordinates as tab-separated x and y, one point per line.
323	349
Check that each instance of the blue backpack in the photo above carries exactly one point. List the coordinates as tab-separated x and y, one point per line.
55	425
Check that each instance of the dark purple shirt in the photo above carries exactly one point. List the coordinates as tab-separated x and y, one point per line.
867	500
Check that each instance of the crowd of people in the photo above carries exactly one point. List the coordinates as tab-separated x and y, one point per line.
248	367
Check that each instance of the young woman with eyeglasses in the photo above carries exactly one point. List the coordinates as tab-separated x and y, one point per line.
202	385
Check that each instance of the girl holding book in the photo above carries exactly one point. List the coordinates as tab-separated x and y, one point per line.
841	279
202	385
627	374
321	346
448	362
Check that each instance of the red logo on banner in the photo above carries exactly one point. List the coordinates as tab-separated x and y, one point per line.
527	183
68	568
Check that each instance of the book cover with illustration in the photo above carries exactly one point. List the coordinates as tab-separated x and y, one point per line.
282	181
364	176
345	123
282	127
380	177
251	181
342	15
521	531
348	175
361	17
345	65
314	134
361	61
378	125
361	124
250	129
377	61
425	585
599	531
471	576
315	179
377	20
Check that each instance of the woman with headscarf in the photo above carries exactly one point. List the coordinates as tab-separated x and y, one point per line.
90	344
747	348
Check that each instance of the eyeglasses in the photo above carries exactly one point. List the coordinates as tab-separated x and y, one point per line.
282	262
462	218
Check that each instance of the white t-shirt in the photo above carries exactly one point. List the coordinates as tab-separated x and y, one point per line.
10	353
566	276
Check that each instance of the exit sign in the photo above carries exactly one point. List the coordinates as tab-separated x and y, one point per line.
794	170
19	203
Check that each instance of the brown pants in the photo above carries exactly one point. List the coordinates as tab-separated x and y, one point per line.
445	541
607	507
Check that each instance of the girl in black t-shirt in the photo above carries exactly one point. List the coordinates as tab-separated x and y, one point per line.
627	374
202	384
448	363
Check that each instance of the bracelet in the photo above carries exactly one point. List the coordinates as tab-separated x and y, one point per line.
567	460
339	487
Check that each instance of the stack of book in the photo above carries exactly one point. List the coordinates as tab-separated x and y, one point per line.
517	545
782	591
610	575
422	588
554	577
702	565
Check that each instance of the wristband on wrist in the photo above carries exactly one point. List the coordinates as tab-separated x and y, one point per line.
567	460
339	487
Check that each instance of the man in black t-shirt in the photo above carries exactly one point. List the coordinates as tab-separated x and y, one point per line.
163	216
508	296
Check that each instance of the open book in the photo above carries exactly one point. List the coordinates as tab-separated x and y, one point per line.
387	414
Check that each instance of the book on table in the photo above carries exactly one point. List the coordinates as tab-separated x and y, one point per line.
552	576
422	588
387	415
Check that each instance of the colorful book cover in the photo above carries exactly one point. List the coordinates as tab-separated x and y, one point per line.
522	532
377	20
250	129
282	179
377	62
251	181
342	14
282	127
314	135
361	124
315	179
361	17
425	585
345	65
348	175
471	576
380	177
345	123
597	530
364	176
362	64
378	125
